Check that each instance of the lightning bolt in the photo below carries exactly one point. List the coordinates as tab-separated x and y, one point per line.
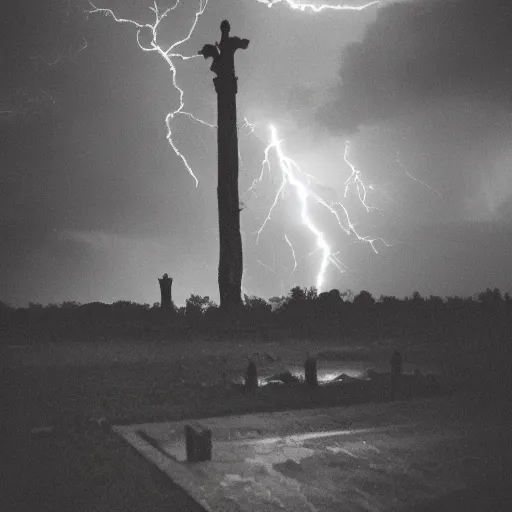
168	55
266	266
355	179
298	6
417	180
250	127
293	176
293	253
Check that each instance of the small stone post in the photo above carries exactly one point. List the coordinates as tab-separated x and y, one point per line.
251	377
198	443
310	372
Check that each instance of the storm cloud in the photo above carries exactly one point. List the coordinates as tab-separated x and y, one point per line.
423	52
434	77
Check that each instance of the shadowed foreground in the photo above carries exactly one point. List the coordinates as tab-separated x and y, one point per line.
86	471
80	467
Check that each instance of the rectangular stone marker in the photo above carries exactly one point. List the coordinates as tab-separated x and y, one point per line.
198	443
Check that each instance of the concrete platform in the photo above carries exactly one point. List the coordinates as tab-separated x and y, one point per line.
394	456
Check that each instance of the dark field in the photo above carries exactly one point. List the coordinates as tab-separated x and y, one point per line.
130	382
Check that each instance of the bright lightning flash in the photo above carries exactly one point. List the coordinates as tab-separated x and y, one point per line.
298	6
290	171
168	55
294	176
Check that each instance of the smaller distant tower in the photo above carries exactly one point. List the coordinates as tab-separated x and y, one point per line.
166	292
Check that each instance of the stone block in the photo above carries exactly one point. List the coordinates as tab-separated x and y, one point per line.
310	373
251	377
198	443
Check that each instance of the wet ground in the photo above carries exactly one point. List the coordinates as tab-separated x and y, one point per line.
389	456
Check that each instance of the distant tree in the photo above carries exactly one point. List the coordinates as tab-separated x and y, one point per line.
364	315
125	304
490	298
390	301
311	293
494	316
348	295
212	312
257	308
6	312
297	294
329	316
416	312
276	303
196	306
435	307
416	297
69	304
331	300
389	314
435	301
301	309
296	309
364	300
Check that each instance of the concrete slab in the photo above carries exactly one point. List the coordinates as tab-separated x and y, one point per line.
374	457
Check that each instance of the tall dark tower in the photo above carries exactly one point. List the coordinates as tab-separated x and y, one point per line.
230	260
166	292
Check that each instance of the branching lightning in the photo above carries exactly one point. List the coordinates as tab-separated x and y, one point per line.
292	175
168	55
355	179
298	6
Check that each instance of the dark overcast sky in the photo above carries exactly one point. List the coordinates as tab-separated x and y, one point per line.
94	204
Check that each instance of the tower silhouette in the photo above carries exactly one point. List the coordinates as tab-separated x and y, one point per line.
230	240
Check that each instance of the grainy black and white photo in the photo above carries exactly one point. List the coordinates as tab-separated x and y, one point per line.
256	255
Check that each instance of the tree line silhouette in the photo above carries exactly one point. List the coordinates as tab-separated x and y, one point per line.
481	321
